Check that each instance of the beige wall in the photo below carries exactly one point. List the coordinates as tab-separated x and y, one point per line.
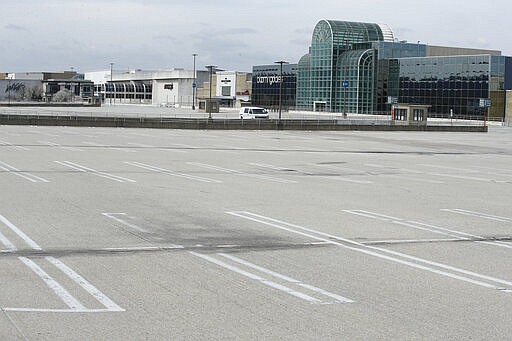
508	113
204	92
457	51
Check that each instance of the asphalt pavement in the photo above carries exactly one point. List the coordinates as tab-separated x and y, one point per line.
214	235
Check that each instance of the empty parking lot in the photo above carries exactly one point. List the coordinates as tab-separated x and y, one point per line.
189	234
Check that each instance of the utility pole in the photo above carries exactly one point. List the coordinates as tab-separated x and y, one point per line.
194	85
9	88
111	84
210	69
281	62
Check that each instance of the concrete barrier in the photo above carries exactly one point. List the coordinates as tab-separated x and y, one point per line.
222	124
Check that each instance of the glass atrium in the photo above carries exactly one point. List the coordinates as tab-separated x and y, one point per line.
337	58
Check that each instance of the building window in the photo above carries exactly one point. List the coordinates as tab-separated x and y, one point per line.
226	91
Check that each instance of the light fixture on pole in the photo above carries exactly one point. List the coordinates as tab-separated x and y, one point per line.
9	88
194	85
210	69
281	62
111	84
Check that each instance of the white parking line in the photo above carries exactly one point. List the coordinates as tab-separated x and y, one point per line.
232	171
476	214
94	144
343	178
430	228
52	144
87	286
58	289
73	304
465	170
259	279
20	233
158	148
166	171
338	298
404	177
265	165
7	243
473	178
27	176
84	169
119	220
434	267
5	143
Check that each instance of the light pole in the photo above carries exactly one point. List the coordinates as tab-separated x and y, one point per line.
111	84
194	85
281	62
9	88
210	69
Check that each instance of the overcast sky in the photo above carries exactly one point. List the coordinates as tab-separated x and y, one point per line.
52	35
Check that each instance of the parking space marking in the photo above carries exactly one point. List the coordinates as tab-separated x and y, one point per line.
7	243
473	178
232	171
94	144
124	222
169	172
477	214
5	143
299	172
465	170
265	165
428	227
20	233
86	285
397	257
73	304
84	169
58	289
158	148
336	297
359	173
405	177
25	175
52	144
262	280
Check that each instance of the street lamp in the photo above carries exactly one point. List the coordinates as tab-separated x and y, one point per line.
9	88
194	85
281	62
210	69
111	84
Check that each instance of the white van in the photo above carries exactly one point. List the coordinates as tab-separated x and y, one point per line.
253	112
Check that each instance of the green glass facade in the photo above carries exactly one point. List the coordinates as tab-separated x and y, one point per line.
454	85
337	56
360	67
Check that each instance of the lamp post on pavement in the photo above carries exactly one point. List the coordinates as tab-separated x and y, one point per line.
111	84
194	85
210	69
9	88
281	62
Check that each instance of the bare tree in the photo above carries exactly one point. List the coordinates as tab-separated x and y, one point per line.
35	93
63	95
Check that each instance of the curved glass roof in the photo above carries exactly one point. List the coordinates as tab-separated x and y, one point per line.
305	60
354	58
341	33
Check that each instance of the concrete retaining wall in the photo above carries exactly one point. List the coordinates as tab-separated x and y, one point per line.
234	124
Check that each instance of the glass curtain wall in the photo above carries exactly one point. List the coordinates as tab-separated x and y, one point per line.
449	84
304	83
358	69
331	40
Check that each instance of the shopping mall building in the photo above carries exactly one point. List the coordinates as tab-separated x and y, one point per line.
362	68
